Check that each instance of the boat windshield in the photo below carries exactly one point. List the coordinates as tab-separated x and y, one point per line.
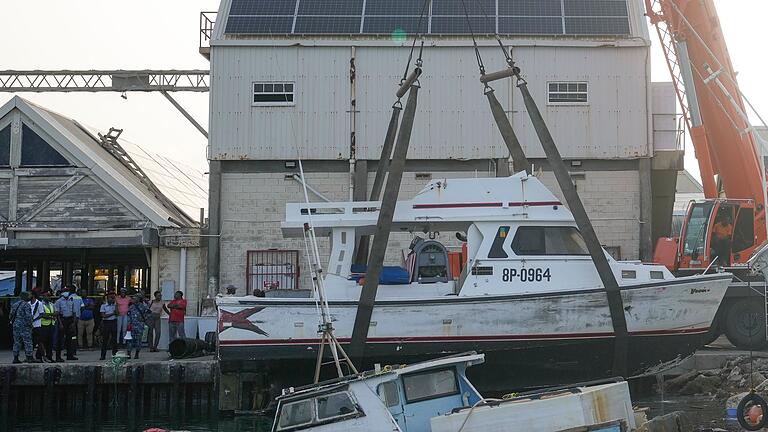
696	232
326	408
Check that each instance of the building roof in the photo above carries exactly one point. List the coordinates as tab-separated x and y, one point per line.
81	143
399	19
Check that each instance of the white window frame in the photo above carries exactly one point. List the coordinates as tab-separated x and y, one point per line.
272	83
567	91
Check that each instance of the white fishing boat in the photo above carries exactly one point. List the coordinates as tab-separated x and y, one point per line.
437	396
528	295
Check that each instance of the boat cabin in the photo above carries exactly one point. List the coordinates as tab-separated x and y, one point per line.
381	400
513	234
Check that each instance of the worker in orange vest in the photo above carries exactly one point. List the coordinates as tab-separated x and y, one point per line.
721	239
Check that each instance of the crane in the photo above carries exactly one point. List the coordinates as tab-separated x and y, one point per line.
731	170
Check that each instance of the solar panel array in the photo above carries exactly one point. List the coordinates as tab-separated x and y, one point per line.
443	17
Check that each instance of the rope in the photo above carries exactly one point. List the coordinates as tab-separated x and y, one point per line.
474	40
413	45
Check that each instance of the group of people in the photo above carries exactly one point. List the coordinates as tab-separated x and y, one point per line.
43	324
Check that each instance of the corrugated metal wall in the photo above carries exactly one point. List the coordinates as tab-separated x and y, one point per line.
453	121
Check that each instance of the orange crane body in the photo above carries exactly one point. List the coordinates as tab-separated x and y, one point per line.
714	111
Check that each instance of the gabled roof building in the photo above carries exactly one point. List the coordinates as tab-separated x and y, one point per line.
76	208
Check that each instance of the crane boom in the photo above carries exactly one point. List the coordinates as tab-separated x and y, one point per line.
694	43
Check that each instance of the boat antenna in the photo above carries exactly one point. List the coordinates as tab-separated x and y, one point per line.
325	328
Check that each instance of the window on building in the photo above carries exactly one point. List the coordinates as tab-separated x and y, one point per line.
568	93
430	385
35	151
272	269
532	240
273	93
5	146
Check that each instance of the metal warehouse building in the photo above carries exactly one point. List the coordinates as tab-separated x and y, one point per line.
315	79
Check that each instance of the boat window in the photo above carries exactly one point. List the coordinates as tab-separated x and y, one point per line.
295	414
531	240
656	274
628	274
696	230
497	248
335	405
388	394
430	385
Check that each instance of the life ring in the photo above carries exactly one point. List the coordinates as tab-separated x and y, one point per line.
751	412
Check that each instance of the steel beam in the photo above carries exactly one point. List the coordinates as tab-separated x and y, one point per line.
195	80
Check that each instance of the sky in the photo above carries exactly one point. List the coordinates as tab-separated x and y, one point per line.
163	34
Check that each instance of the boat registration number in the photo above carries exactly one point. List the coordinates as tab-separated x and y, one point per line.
526	275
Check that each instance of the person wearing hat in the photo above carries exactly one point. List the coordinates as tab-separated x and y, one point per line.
123	302
138	316
68	310
21	319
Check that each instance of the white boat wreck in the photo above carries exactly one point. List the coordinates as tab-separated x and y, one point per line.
437	396
528	296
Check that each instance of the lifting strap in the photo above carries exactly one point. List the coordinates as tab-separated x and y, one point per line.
519	161
408	84
381	172
615	303
383	227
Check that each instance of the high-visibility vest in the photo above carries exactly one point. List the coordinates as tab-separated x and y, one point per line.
49	309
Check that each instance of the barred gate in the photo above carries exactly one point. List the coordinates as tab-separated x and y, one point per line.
270	269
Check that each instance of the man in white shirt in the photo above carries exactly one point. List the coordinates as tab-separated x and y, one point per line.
37	332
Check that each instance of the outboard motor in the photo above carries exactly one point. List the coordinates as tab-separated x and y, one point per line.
430	261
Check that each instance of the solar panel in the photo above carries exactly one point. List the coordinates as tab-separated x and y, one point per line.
596	26
455	7
258	25
458	25
530	25
523	17
595	8
327	24
530	7
388	25
393	7
271	7
331	7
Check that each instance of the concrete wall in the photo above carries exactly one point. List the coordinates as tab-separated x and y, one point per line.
169	263
253	205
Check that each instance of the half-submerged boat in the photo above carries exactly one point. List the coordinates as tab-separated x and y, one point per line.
528	294
437	396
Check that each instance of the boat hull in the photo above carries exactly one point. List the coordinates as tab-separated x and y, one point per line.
530	340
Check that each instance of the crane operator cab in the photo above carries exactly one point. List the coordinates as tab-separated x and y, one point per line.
716	233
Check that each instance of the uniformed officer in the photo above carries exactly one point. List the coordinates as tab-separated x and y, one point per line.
68	311
21	319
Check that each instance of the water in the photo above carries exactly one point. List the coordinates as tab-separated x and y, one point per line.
125	424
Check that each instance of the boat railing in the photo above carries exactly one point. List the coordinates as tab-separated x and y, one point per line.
296	213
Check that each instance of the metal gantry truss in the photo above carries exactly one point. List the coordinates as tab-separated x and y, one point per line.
96	80
63	81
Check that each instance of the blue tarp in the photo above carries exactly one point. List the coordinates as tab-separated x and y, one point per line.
390	275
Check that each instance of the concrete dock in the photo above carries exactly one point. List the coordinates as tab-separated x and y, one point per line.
151	384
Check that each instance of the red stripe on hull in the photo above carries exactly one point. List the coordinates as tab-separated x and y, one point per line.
488	338
488	204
